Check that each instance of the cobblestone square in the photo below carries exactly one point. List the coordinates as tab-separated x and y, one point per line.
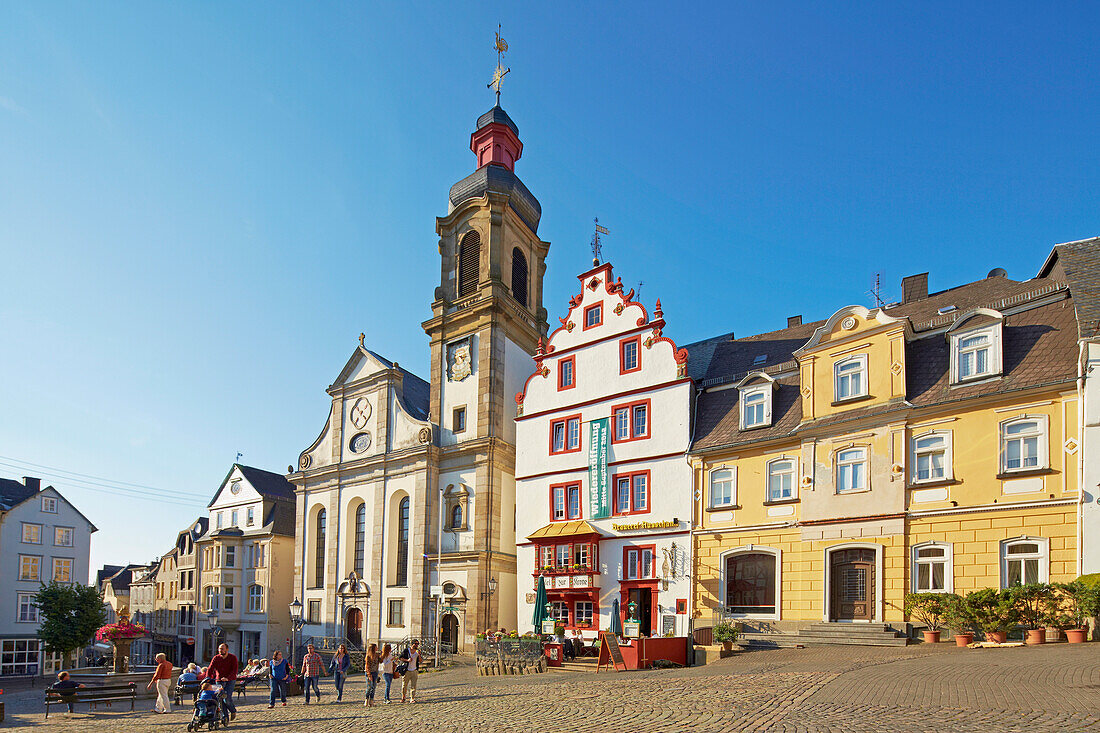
851	689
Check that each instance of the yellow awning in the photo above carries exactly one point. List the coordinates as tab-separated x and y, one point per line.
563	529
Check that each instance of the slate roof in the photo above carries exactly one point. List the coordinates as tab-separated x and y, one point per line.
498	179
106	572
1039	349
1079	264
497	114
415	392
268	484
13	492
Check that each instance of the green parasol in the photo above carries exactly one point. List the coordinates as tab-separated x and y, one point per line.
540	604
616	622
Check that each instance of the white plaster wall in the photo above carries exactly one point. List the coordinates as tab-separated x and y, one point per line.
11	546
377	445
1090	457
457	393
404	429
518	365
462	540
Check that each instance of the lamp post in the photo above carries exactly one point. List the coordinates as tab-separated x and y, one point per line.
296	623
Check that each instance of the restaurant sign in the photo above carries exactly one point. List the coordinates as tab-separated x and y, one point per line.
666	524
599	501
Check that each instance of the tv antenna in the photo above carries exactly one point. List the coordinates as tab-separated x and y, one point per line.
876	291
596	248
638	291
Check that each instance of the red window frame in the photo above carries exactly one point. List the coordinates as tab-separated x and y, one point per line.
637	341
565	490
631	406
593	548
565	442
584	324
681	605
639	549
572	362
615	509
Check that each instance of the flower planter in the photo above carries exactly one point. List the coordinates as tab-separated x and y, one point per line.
727	646
1000	637
931	637
1036	636
964	639
1077	636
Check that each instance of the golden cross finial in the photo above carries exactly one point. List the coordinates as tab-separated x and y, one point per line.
361	337
498	75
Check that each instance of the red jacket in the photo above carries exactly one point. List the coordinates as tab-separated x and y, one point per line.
222	668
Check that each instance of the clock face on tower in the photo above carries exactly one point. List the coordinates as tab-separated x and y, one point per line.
235	488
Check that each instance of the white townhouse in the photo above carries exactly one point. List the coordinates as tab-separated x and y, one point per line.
603	487
42	538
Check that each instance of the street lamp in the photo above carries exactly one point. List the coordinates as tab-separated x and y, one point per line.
297	623
215	630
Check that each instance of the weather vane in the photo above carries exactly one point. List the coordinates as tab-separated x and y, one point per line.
596	241
498	75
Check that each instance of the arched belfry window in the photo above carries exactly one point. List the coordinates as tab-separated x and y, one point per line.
469	263
519	276
403	542
319	567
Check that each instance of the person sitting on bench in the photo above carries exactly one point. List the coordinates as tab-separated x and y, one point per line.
64	683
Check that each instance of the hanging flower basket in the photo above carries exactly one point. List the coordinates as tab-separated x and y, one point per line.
123	630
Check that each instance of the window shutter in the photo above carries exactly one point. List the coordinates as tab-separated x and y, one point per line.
519	276
469	263
768	406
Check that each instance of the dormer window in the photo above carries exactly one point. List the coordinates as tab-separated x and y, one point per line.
756	408
976	352
850	377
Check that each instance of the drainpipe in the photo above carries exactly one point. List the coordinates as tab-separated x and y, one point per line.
1082	369
438	571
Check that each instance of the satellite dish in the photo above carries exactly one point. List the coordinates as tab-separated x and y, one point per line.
997	272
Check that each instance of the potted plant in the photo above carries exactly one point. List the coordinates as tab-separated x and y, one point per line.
1071	605
993	612
1032	602
960	620
929	609
725	634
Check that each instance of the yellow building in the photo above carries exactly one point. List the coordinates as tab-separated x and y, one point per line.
929	445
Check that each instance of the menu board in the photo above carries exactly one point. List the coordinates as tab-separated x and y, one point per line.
610	653
668	625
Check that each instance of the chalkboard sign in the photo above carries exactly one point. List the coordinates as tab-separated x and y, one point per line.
668	625
610	653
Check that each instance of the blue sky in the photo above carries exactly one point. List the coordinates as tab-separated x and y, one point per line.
202	205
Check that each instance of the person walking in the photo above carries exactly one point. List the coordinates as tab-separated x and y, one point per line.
223	669
312	667
162	678
280	676
387	670
370	667
339	667
411	656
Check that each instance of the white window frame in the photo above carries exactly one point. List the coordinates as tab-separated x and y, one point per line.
948	561
23	533
754	549
948	457
229	597
395	612
995	362
255	598
37	565
49	504
25	600
210	597
733	488
56	533
61	562
768	479
860	359
837	463
250	516
1042	442
765	393
1043	556
583	613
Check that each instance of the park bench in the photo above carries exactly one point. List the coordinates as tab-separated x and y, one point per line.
90	695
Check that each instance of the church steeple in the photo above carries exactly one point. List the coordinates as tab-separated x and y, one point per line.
496	140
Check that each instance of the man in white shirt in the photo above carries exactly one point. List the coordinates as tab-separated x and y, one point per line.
411	656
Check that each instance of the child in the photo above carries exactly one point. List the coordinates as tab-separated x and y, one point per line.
209	697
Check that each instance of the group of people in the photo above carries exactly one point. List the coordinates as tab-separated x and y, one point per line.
379	665
571	645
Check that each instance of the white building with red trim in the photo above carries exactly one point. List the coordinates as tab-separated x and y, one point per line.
603	486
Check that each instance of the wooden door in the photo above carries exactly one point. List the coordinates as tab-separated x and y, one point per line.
852	579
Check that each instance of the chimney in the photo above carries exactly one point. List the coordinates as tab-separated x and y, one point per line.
914	287
793	321
32	483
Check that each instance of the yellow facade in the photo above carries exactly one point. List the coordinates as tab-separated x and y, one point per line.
909	473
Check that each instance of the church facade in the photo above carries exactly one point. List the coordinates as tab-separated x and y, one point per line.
405	501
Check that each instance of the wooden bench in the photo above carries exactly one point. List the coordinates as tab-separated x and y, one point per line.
90	695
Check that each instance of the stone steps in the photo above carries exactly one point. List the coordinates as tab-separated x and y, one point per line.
828	633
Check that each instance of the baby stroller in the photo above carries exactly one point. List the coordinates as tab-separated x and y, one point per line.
211	713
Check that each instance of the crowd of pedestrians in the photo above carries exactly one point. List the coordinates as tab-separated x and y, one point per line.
223	673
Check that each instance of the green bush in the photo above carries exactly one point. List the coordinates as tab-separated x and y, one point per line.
1033	603
724	632
959	616
992	610
929	609
1072	603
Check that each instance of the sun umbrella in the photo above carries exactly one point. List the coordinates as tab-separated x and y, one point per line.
616	622
540	604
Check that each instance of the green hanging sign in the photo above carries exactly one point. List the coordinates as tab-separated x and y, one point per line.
599	500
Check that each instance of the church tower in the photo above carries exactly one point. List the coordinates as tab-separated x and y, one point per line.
487	320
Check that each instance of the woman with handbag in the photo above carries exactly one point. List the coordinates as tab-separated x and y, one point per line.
387	669
370	667
339	667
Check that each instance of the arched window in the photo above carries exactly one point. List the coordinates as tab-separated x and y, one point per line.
255	598
469	263
360	539
319	549
519	276
403	542
456	516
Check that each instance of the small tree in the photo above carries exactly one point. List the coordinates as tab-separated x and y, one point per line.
1032	603
70	615
929	609
959	616
992	610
